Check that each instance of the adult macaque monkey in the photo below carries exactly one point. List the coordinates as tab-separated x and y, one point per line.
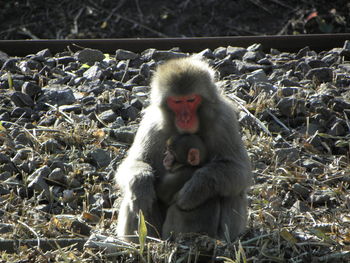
183	155
185	99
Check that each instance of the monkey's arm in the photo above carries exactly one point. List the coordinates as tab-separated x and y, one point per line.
217	178
172	182
135	175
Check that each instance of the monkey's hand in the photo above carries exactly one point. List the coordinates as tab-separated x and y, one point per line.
193	194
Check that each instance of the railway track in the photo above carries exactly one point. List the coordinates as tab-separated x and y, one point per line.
289	43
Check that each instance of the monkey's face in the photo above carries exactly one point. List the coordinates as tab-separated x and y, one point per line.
185	110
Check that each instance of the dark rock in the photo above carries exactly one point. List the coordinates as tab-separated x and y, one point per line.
122	54
22	100
125	134
65	60
288	83
291	106
302	52
80	228
11	65
31	89
3	58
338	128
167	54
289	91
301	190
6	228
257	76
129	112
236	52
57	95
206	53
316	63
44	53
23	112
220	52
37	181
57	175
287	154
145	70
4	158
108	116
22	139
99	158
137	104
89	55
320	74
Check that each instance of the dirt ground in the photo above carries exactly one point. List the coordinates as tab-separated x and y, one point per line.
32	19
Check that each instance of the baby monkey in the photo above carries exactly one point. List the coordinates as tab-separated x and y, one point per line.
184	154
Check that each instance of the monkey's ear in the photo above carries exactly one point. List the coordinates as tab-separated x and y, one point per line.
193	157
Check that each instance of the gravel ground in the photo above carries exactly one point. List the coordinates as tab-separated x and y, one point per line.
68	118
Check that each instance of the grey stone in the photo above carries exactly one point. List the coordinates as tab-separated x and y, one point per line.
108	116
125	134
220	52
31	89
291	106
99	158
122	54
236	52
22	100
93	73
89	55
320	74
57	95
257	76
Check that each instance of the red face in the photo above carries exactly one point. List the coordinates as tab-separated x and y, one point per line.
185	109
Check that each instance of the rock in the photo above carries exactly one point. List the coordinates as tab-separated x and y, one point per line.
4	158
88	55
145	70
3	58
99	158
320	75
167	54
37	181
301	190
236	52
108	116
129	112
11	65
288	83
125	134
287	154
65	60
57	95
291	106
22	100
45	53
93	73
31	89
122	54
289	91
220	52
257	76
57	175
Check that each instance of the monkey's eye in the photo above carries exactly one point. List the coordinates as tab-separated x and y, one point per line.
191	100
177	101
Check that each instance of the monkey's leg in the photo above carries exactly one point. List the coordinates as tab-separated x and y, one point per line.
204	219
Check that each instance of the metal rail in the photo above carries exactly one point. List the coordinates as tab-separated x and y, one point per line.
289	43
